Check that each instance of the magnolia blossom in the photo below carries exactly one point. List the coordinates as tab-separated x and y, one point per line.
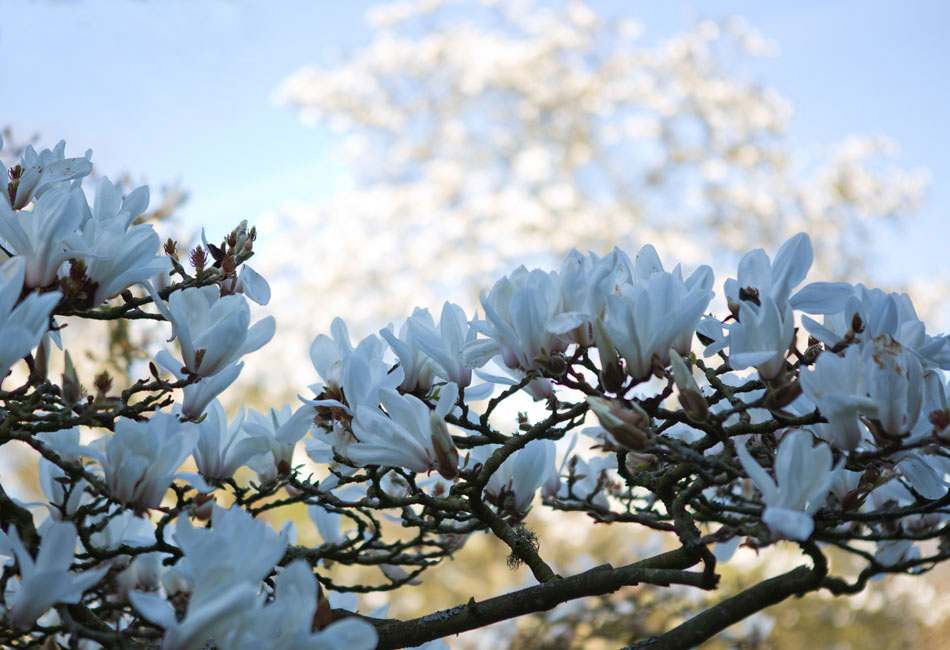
280	430
46	580
116	255
518	309
408	435
213	331
417	367
223	566
837	385
517	479
445	344
286	623
647	321
221	448
761	338
39	235
40	172
758	277
804	476
21	325
140	459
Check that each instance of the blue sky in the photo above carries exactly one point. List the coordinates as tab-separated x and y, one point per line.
180	90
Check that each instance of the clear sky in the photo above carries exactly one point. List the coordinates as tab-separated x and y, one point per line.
181	90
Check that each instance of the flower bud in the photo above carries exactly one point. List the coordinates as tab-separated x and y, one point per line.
611	373
629	425
691	398
446	453
72	389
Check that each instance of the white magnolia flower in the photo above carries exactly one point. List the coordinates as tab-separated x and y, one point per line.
39	236
804	476
116	255
359	374
21	325
40	172
221	448
519	309
758	277
213	331
518	478
46	580
286	623
445	345
223	566
281	430
586	281
417	367
761	337
647	321
141	457
875	313
837	385
408	434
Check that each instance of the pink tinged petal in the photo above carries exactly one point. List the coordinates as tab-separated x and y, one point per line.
790	524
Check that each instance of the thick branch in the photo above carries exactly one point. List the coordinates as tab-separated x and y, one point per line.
664	570
714	620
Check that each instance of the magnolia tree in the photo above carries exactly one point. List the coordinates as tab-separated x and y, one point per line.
481	135
644	412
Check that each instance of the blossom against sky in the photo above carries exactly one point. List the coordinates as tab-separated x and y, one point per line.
181	90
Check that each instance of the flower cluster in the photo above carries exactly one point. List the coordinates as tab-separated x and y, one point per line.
713	430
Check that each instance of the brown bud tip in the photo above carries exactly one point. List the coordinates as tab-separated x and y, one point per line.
198	258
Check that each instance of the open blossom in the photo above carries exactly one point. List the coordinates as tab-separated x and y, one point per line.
39	235
837	385
223	566
21	325
45	580
804	477
519	309
222	448
286	623
417	367
758	277
281	430
358	373
408	435
117	255
40	172
586	281
761	337
141	458
517	479
445	344
646	321
874	313
213	331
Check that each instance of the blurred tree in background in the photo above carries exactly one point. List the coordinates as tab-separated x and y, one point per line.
479	135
